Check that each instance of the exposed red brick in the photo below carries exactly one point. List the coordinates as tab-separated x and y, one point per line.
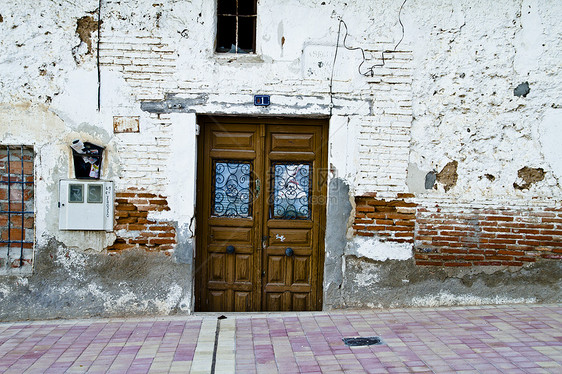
149	195
361	233
365	209
375	228
403	195
131	212
511	252
13	234
499	218
166	235
404	234
120	247
429	263
125	195
136	227
473	257
162	241
126	220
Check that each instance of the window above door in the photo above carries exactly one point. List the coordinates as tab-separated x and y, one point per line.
236	26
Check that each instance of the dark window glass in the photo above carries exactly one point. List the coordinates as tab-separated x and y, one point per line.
246	33
290	197
236	26
246	7
226	33
226	7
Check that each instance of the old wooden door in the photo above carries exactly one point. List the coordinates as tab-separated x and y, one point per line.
260	214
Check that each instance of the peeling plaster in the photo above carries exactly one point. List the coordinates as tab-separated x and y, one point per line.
529	176
448	175
85	26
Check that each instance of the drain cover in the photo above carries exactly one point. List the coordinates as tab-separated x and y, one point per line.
357	342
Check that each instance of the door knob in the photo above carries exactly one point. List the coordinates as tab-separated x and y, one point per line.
230	249
289	252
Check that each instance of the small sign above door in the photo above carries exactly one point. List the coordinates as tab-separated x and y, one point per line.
261	100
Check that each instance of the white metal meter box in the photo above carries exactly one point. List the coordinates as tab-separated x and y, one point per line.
86	205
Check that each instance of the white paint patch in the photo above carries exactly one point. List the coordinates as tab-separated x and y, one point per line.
529	40
172	299
122	302
366	279
447	299
377	250
72	261
128	234
280	237
22	281
4	291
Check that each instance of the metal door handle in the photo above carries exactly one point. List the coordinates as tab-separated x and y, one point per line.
258	186
230	249
289	252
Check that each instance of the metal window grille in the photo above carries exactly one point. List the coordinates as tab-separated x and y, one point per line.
16	203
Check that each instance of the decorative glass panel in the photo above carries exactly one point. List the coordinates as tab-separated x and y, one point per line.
231	195
291	191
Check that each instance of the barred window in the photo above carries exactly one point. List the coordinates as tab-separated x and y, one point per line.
16	207
236	26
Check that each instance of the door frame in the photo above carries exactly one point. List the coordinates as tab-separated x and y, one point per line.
202	119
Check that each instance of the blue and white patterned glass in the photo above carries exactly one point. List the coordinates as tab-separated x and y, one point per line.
291	191
231	189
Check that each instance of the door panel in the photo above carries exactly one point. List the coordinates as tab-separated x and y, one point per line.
300	143
260	216
293	154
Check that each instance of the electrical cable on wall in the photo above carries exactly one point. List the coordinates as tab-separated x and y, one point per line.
370	71
98	55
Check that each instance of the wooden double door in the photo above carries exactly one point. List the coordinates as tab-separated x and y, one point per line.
260	214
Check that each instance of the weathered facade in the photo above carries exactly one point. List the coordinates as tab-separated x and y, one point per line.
441	177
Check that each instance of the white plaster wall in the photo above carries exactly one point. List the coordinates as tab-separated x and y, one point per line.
470	55
447	95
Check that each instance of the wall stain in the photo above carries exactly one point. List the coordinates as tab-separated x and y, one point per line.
529	176
448	175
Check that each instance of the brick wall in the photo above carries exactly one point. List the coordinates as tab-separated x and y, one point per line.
457	235
489	236
389	220
146	61
16	209
134	226
144	157
384	136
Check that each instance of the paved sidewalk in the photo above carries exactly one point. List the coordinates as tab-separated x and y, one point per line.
489	339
